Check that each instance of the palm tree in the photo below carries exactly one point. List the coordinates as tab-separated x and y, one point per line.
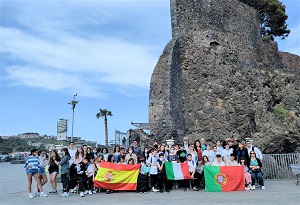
104	113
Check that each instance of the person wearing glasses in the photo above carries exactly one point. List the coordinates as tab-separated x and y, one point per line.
255	170
250	148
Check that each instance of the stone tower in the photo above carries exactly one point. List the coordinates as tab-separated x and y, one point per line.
216	76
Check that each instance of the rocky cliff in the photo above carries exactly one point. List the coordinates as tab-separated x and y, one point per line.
216	76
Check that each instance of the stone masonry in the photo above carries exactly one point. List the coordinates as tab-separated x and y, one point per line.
216	76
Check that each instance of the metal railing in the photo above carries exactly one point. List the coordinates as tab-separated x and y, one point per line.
276	166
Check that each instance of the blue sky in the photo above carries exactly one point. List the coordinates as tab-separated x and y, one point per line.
105	51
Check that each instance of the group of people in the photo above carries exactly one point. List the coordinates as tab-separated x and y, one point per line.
78	166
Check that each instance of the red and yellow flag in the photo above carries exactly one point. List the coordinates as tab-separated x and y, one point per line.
117	176
224	178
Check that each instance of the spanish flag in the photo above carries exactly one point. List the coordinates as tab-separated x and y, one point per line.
117	176
224	178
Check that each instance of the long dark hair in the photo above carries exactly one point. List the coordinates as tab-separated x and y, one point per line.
195	147
115	149
66	152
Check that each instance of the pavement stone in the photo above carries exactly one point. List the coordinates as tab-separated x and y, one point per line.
14	192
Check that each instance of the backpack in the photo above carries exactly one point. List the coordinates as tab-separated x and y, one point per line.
146	168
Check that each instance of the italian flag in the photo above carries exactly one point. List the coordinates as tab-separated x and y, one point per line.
224	178
177	171
117	176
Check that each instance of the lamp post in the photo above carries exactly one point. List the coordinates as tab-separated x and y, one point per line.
73	103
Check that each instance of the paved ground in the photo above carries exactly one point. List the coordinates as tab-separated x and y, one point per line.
14	192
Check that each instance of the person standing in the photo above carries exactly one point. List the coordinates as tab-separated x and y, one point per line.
32	169
72	151
136	149
43	163
54	170
131	154
65	169
250	148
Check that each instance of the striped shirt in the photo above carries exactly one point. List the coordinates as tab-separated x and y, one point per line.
34	161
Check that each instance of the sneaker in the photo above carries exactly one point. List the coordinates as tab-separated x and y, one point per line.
263	187
30	196
42	194
86	192
247	188
53	192
94	192
65	194
168	190
81	194
253	187
90	192
155	190
195	188
161	191
72	190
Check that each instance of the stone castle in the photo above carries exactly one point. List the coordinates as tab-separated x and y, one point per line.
217	78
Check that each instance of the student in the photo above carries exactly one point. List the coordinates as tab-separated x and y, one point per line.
32	169
198	149
117	154
218	161
162	177
153	170
131	154
80	176
143	179
192	170
90	176
105	154
226	152
65	169
209	153
54	170
231	161
42	171
247	175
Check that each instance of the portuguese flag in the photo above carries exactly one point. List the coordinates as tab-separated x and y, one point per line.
177	171
224	178
117	176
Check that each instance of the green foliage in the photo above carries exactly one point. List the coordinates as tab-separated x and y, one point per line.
272	17
279	110
266	38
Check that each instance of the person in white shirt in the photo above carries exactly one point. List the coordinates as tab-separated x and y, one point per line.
218	161
209	153
194	175
72	150
255	149
219	146
226	152
215	150
152	161
232	161
186	143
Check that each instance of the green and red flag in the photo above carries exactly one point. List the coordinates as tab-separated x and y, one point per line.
117	176
177	171
224	178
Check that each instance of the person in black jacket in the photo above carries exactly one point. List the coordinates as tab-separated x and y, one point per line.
80	176
255	170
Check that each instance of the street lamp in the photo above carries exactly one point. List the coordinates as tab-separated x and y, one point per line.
73	103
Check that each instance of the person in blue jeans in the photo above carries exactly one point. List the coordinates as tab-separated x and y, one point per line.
255	170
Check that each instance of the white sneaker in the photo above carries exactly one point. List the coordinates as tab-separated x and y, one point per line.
42	194
155	190
30	196
81	194
195	188
94	192
72	190
86	192
90	192
263	187
253	187
65	194
247	188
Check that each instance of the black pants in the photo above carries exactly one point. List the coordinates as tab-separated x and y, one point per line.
143	183
90	183
162	180
64	181
72	170
153	178
195	182
82	182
